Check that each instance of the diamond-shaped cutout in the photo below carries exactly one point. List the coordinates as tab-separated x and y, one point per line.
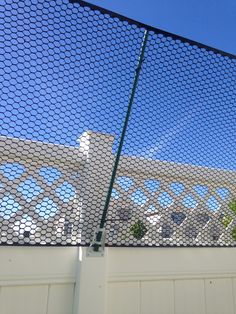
213	204
25	226
115	194
152	185
151	209
50	174
202	219
223	193
178	217
8	206
189	202
29	189
215	232
232	206
191	231
124	213
65	192
166	231
139	197
201	190
12	171
177	187
154	219
165	200
47	208
124	182
226	220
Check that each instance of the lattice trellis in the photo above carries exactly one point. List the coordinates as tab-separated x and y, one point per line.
39	201
175	205
69	69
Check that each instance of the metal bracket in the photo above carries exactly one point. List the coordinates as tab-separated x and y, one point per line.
97	245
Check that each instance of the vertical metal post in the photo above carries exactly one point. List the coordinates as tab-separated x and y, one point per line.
99	234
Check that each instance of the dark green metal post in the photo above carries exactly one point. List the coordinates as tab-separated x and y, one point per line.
117	159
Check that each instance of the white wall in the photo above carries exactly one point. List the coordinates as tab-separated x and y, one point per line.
37	280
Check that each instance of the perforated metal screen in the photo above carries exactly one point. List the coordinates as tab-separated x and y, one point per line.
67	74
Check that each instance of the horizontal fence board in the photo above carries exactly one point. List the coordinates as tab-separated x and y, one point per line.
37	264
28	150
158	263
155	168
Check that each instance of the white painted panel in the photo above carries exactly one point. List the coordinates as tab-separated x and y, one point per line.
189	297
60	299
148	263
23	300
26	263
219	296
123	298
157	297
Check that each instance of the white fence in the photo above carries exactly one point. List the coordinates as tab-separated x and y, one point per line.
179	204
37	280
38	191
126	280
52	280
52	194
171	281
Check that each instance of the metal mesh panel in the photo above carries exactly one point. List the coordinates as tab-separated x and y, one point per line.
183	113
66	76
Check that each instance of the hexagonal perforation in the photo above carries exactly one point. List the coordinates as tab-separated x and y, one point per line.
68	68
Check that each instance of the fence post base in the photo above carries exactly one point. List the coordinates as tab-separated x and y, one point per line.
90	287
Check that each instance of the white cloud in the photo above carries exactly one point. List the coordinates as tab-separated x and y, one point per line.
168	136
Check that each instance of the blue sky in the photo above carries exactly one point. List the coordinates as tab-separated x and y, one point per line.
212	22
204	133
64	70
